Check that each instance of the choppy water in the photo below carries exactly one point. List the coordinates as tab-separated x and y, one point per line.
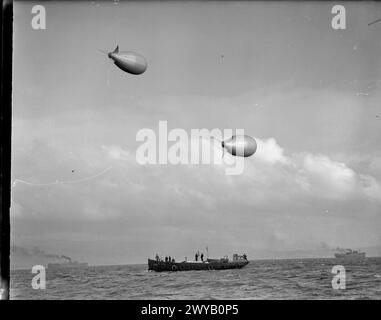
261	279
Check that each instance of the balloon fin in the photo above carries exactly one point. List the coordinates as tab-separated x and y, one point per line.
116	49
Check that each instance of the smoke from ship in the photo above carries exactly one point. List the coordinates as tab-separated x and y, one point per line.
22	257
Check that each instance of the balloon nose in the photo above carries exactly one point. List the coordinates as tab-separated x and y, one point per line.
223	144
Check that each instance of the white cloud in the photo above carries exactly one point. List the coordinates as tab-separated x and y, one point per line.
327	177
269	151
270	174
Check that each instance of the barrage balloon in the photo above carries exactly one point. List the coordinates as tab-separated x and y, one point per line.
128	61
240	145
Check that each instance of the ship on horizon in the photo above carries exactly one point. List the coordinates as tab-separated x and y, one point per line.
349	254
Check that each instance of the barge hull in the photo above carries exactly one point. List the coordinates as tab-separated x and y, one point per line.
187	266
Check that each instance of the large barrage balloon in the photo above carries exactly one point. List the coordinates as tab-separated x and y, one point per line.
240	145
128	61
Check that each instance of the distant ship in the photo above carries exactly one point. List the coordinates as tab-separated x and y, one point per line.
238	262
349	254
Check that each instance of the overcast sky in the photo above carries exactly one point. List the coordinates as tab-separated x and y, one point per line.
309	94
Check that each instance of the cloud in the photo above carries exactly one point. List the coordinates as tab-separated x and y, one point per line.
308	174
273	176
334	179
269	151
327	177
